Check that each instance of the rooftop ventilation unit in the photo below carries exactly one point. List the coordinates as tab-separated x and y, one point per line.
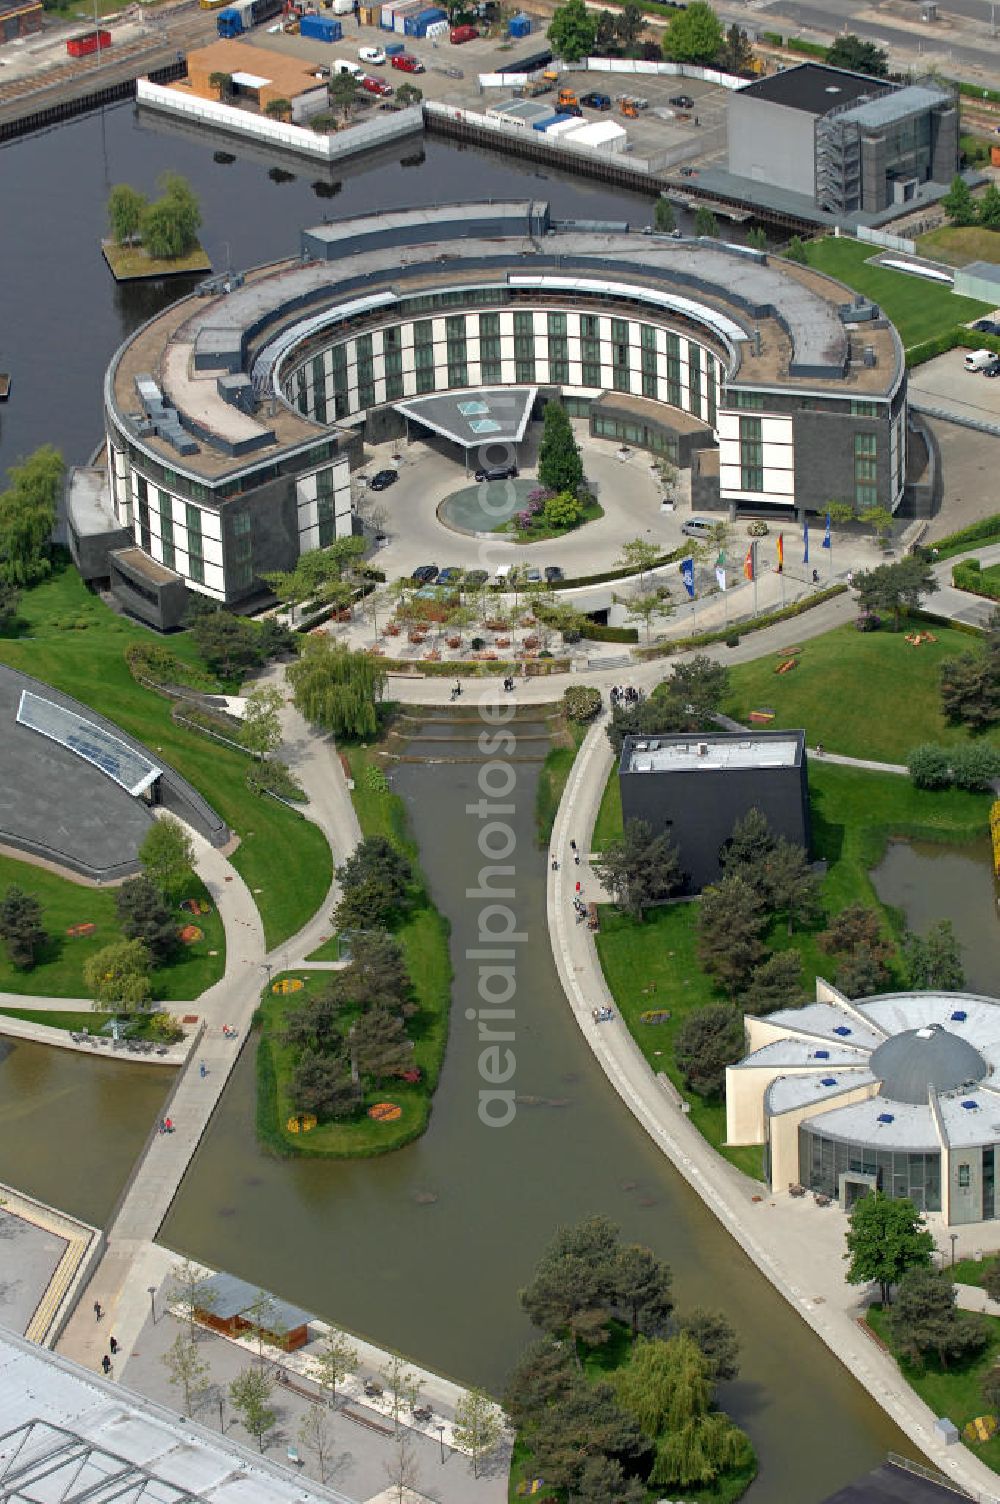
821	1054
703	749
959	1016
970	1105
842	1030
828	1081
870	358
886	1117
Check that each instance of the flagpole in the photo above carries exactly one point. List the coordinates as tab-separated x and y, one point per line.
753	559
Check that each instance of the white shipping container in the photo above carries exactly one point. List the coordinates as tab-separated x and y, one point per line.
385	16
438	29
343	7
599	135
564	125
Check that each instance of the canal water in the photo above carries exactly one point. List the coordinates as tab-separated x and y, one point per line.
70	1128
929	882
426	1249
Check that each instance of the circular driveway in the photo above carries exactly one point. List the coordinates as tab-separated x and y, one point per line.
625	485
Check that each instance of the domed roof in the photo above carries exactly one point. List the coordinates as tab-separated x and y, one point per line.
911	1062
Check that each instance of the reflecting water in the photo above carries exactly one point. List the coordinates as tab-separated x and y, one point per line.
931	882
426	1249
71	1125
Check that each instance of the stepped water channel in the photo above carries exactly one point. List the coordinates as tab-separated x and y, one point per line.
423	1250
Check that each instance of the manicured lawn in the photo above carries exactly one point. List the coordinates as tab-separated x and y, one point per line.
654	965
990	576
865	694
956	1391
131	262
423	934
959	244
59	969
609	816
971	1271
918	308
69	638
328	951
558	764
74	1022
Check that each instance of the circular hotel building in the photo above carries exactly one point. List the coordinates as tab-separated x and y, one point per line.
235	418
894	1093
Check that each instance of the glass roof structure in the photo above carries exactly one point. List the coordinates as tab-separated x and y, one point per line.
125	765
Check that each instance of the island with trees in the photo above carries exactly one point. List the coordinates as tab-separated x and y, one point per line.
154	238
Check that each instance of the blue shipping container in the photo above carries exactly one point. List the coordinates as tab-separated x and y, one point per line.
519	26
321	28
393	49
543	125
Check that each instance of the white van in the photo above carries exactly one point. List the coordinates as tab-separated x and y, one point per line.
699	527
339	66
978	360
373	56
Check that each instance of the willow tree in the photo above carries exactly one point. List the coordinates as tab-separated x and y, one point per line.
336	689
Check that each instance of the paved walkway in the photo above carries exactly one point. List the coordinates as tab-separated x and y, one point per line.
92	1044
230	1003
800	1255
961	605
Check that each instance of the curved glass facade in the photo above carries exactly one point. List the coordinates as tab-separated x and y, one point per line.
822	1161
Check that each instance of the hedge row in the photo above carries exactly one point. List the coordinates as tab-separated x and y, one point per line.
969	339
984	531
976	91
475	668
811	49
594	632
968	576
734	633
619	574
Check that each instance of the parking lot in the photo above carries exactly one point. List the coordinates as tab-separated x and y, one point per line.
657	130
946	386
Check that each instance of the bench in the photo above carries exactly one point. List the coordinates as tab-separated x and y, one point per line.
366	1420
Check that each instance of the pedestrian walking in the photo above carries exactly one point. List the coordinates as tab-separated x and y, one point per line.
113	1344
203	1070
572	845
576	858
555	864
106	1365
98	1312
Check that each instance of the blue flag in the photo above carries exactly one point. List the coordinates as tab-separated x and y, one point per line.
805	540
687	575
827	540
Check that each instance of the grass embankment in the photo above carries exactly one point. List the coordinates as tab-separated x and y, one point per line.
68	638
58	971
920	309
423	934
863	694
853	816
92	1022
955	1391
131	263
958	245
568	738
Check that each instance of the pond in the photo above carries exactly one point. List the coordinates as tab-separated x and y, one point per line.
484	507
929	882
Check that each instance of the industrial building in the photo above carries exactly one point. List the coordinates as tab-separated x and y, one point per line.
259	75
235	417
695	788
892	1093
847	143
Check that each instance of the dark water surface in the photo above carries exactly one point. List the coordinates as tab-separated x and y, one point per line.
931	882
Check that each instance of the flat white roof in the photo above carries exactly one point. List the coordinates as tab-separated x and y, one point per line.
790	1092
660	755
250	80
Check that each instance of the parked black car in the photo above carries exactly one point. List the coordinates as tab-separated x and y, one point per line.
499	472
475	578
553	573
596	101
383	479
987	326
424	574
993	369
682	102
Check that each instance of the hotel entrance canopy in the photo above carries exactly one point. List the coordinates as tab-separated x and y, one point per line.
486	415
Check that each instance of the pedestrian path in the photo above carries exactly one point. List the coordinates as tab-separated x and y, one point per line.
802	1257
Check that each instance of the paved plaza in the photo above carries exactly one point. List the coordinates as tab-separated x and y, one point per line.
29	1257
361	1449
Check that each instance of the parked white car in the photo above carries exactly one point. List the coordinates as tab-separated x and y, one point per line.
373	55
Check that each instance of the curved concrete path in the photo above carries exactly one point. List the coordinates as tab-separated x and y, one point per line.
797	1245
230	1003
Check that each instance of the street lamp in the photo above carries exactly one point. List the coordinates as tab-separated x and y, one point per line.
222	1418
439	1428
152	1301
954	1240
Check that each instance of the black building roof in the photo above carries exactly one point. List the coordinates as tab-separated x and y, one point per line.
815	89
